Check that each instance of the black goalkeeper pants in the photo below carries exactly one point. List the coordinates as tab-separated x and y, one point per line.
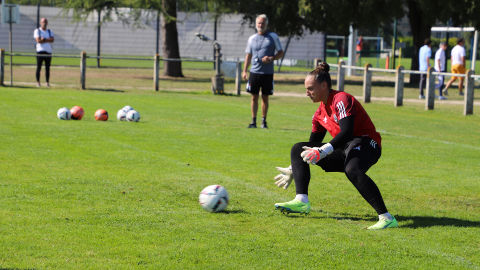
40	59
354	159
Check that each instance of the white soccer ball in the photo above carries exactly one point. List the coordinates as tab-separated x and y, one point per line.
127	108
133	116
121	115
214	198
64	114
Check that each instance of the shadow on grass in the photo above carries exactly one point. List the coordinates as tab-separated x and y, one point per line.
228	212
426	221
105	90
412	221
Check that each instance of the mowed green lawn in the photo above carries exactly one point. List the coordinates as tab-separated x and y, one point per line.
118	195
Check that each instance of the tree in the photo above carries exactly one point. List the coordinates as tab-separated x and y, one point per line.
170	40
293	17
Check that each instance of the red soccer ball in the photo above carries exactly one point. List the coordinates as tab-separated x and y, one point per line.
77	112
101	115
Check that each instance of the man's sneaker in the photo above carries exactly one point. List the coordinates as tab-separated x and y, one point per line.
38	85
264	125
384	224
461	94
442	98
445	92
252	126
48	85
294	206
421	97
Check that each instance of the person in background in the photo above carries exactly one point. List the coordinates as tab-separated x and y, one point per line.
458	66
44	38
260	51
424	61
359	46
440	67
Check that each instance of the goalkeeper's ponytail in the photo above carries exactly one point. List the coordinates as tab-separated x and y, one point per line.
321	74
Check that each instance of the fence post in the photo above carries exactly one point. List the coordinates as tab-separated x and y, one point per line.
83	67
341	76
317	62
238	78
156	70
469	90
399	82
367	83
430	97
2	67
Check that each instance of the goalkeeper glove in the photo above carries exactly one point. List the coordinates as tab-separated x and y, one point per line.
312	155
285	178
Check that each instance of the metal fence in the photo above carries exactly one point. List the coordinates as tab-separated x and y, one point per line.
119	39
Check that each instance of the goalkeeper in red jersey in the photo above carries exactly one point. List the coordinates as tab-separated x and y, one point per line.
355	147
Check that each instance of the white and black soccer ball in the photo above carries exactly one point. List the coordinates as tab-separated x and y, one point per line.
121	115
64	114
214	198
133	116
127	108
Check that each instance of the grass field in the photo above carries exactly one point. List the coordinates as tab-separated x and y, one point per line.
117	195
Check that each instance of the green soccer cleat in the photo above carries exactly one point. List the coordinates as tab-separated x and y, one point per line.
384	224
294	206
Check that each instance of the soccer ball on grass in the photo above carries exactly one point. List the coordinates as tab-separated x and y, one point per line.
214	198
64	114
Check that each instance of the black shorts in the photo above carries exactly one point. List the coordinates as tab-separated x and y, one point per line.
257	81
364	147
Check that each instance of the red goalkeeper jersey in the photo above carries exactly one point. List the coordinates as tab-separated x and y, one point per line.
340	105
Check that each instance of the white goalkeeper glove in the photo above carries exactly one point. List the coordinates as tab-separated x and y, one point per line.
285	178
312	155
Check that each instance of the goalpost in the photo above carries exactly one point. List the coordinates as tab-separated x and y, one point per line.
462	29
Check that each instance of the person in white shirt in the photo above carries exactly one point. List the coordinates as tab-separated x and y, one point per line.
440	67
44	37
458	66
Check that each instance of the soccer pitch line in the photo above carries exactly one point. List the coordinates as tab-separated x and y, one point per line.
426	139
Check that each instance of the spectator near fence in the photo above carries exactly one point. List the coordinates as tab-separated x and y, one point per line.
359	46
261	53
44	37
440	66
458	65
424	61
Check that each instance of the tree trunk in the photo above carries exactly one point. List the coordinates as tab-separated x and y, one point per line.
420	31
170	41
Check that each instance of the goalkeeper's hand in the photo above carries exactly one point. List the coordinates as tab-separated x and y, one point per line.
285	178
312	155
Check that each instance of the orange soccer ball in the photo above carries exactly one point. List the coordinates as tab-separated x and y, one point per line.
101	115
77	112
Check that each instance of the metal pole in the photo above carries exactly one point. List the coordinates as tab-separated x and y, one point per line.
98	39
158	29
474	55
156	69
215	39
38	14
394	41
11	61
2	66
